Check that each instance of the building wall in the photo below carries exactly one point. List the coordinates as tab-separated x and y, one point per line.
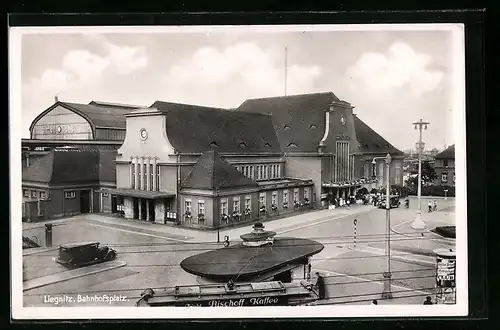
445	166
110	134
308	168
62	124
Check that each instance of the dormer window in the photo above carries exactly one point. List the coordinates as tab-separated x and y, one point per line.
377	145
267	145
213	144
292	145
312	127
366	145
287	128
242	145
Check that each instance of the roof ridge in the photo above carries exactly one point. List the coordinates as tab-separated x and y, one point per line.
292	95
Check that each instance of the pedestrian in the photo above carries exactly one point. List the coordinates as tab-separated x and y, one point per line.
435	207
348	202
430	206
428	301
374	302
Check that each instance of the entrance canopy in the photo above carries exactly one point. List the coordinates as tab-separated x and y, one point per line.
147	194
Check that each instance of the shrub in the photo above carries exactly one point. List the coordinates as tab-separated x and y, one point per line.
434	190
445	231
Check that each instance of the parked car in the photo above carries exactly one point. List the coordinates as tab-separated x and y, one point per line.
81	254
393	200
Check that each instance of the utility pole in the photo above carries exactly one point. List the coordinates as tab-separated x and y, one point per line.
418	223
387	293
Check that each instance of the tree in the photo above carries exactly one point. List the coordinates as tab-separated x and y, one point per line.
428	172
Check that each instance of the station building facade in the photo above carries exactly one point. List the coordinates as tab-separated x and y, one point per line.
207	167
267	157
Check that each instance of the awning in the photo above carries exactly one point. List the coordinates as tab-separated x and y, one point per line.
148	194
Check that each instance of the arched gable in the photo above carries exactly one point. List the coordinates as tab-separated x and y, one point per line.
62	123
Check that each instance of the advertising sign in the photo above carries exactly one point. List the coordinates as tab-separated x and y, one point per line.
445	276
240	302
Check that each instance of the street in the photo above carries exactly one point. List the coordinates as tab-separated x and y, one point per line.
353	267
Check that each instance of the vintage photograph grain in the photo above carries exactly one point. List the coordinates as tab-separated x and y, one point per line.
251	168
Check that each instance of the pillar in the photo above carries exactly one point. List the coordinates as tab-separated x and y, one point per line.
139	200
147	209
128	204
148	173
143	183
159	211
338	193
136	183
154	174
101	208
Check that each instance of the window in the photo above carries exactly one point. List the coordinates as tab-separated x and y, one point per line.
151	177
445	162
69	194
453	177
306	193
26	193
278	171
187	206
251	172
248	203
157	177
236	204
380	173
262	200
265	172
223	206
444	177
285	197
34	193
398	173
259	172
273	172
201	207
145	175
105	194
133	176
43	195
296	195
139	177
274	198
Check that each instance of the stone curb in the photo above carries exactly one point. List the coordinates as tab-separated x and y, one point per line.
46	280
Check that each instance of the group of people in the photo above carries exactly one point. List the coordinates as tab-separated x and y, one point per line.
339	201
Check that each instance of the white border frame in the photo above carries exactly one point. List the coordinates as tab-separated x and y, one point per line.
21	313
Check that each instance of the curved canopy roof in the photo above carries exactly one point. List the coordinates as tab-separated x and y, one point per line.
243	261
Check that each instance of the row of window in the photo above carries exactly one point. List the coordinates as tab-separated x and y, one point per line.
142	177
444	177
260	172
35	194
188	206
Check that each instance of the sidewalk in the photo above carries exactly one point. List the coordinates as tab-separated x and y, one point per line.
186	235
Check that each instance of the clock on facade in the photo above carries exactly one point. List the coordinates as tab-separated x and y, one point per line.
342	120
59	129
144	134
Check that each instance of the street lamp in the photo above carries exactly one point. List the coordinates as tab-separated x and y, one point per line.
418	223
387	293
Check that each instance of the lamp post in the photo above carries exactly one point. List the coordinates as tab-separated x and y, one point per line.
387	293
418	223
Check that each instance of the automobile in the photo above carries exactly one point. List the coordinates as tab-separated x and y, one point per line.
79	254
393	200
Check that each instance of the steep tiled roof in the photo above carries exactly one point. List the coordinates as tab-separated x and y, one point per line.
72	166
299	120
107	165
448	153
40	170
370	141
192	128
212	172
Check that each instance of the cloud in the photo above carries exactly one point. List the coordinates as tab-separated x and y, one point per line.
246	64
80	67
400	67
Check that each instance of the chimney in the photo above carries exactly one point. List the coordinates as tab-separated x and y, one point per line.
56	99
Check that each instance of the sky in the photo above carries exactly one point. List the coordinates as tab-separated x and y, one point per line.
392	78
